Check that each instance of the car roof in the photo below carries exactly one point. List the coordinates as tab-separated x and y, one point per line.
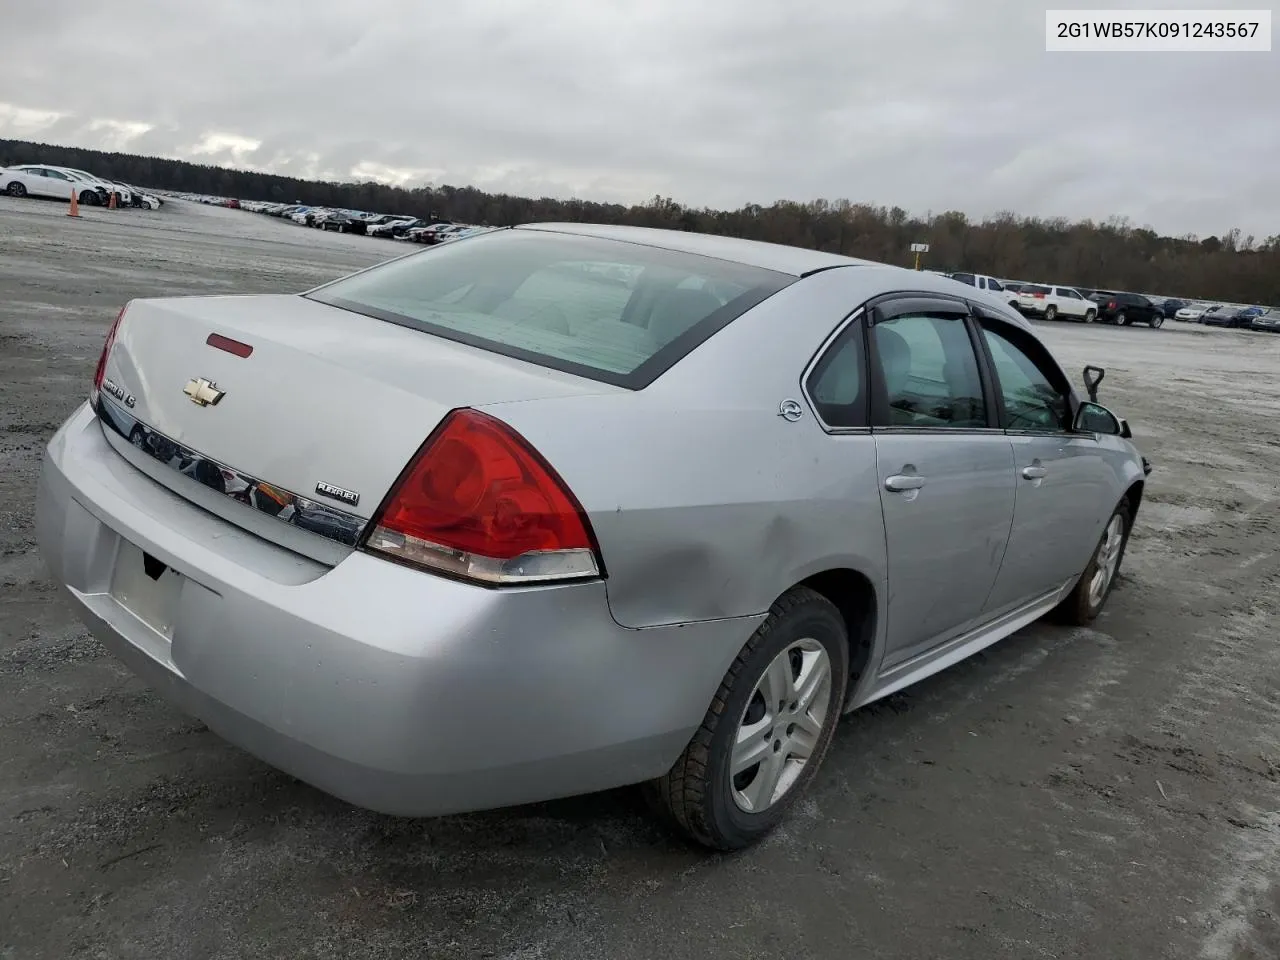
796	261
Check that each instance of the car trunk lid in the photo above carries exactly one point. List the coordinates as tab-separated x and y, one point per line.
313	401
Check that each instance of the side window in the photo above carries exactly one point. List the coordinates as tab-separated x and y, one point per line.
1035	398
994	284
836	385
929	371
1068	293
964	278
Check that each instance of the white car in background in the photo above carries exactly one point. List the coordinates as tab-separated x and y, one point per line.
1192	312
124	194
988	285
36	180
1052	302
123	197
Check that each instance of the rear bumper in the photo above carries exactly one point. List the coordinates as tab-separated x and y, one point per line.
395	690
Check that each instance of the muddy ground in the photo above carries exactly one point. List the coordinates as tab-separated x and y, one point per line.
1101	793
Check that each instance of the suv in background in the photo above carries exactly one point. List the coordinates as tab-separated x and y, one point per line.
990	285
1052	302
1124	309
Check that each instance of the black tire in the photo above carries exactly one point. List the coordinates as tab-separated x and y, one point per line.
1121	320
16	189
1157	322
1078	609
1051	312
1090	316
90	198
696	794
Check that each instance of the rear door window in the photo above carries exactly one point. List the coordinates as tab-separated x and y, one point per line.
929	372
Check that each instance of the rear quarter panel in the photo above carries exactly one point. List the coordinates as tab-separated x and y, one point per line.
706	503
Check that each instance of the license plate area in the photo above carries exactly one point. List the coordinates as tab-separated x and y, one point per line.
146	588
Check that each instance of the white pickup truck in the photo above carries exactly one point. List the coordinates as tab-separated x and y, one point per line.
990	285
1051	302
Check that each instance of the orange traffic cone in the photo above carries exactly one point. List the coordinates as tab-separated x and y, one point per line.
75	205
111	204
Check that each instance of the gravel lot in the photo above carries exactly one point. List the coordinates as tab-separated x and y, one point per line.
1071	793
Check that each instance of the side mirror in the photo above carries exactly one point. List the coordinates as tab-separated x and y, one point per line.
1095	418
1092	377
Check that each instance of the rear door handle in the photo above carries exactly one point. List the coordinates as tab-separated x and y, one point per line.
1034	472
902	482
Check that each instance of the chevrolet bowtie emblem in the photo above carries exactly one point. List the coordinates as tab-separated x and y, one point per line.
203	392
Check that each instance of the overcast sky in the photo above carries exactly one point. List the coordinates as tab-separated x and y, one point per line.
925	104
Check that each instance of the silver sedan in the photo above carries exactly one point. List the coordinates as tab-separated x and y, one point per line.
560	508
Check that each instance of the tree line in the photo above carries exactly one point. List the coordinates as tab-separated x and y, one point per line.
1113	254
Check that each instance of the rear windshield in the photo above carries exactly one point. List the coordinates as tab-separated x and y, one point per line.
613	311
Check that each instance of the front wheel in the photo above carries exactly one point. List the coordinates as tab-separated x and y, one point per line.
1157	322
1086	599
90	198
767	729
1090	316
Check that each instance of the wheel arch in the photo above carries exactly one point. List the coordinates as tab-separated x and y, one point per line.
1133	496
854	595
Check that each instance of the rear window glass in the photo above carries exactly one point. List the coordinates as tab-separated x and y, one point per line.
1034	288
610	310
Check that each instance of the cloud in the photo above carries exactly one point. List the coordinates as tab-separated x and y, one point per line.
942	104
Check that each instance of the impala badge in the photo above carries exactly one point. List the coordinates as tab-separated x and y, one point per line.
349	497
204	393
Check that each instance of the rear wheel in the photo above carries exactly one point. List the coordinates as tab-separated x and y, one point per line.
1051	312
1086	599
16	189
1121	319
766	731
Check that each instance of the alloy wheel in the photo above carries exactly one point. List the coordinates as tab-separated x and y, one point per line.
780	726
1108	560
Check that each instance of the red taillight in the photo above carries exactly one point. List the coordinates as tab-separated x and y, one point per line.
477	501
101	373
1111	304
1038	296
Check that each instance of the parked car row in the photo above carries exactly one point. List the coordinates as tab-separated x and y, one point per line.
1053	302
389	226
61	183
